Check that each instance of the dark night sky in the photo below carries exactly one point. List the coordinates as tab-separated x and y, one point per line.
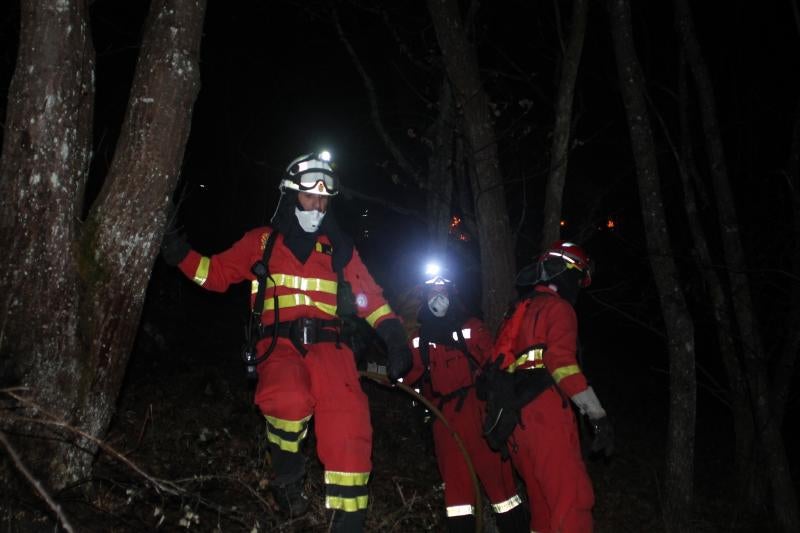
276	82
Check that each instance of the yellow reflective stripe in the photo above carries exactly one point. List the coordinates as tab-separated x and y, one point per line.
303	284
293	300
537	356
201	274
348	505
378	314
286	445
460	510
521	359
565	371
507	505
288	425
296	282
346	479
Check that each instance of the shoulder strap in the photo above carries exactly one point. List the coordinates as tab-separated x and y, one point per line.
261	271
511	327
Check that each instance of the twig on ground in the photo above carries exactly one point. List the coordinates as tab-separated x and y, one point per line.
35	483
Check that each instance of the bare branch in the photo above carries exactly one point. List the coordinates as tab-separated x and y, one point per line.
373	104
35	483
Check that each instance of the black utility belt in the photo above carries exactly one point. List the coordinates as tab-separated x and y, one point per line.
305	330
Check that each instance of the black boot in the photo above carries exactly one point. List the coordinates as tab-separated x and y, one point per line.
513	521
349	522
287	486
291	498
461	524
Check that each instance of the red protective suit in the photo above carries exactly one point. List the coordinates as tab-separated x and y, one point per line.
545	447
323	383
450	386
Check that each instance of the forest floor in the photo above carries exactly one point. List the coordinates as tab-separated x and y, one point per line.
186	419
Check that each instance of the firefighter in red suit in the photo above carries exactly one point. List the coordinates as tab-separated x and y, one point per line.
531	386
304	369
448	348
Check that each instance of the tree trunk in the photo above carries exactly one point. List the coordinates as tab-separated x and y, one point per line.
439	186
559	152
43	173
106	265
494	232
720	305
783	492
679	327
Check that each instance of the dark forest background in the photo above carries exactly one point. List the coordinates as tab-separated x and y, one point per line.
703	393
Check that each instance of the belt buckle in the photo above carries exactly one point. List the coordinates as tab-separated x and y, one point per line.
307	333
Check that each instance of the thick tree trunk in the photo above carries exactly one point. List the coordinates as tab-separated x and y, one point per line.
494	232
720	305
439	186
43	173
678	323
559	152
784	496
106	271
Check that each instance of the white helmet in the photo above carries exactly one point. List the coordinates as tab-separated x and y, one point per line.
311	173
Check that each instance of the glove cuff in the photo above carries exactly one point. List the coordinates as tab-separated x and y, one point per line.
589	404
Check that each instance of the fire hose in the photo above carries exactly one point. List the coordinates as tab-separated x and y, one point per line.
382	380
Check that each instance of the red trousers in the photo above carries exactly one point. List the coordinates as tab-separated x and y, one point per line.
494	474
323	383
545	450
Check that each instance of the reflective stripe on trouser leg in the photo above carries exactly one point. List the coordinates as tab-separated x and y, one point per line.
286	434
460	510
507	505
346	491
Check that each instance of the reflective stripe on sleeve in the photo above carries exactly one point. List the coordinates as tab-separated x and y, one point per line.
377	314
565	371
201	274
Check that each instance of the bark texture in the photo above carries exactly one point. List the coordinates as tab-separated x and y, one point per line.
784	496
43	173
679	327
559	152
89	279
494	231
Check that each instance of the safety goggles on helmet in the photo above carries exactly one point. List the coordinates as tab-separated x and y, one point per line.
574	257
313	174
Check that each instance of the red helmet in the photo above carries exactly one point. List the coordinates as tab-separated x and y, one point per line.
573	256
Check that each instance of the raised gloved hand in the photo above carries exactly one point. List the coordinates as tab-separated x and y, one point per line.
174	247
393	334
603	440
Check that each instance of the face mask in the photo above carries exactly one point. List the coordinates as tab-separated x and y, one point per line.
309	220
438	305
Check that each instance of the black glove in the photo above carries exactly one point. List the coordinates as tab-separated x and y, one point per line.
174	247
393	334
603	441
